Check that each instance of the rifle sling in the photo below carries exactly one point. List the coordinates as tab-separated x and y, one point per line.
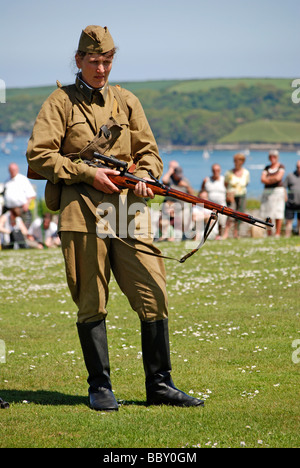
208	229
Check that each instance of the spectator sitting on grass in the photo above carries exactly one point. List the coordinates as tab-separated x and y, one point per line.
42	233
13	231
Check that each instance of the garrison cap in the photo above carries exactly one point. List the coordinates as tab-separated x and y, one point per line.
95	40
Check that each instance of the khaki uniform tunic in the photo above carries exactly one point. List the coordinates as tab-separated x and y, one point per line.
61	129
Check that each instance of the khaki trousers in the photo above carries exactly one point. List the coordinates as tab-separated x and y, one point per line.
89	261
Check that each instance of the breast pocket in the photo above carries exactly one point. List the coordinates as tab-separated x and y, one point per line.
122	147
76	120
78	133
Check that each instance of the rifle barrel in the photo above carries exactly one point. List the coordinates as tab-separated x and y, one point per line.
225	210
129	181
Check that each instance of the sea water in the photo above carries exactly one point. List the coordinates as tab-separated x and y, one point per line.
196	165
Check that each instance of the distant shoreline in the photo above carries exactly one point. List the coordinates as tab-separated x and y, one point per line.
285	147
234	147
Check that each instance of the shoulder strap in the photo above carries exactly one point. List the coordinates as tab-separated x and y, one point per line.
69	101
120	98
156	252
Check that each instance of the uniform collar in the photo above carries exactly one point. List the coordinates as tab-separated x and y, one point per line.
89	92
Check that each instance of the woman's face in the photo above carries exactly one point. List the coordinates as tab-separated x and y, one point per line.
273	159
238	162
95	69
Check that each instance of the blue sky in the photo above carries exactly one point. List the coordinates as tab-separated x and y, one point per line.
157	39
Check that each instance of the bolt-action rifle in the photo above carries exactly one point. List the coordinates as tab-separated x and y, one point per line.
128	180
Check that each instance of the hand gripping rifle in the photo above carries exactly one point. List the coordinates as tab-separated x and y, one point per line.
128	180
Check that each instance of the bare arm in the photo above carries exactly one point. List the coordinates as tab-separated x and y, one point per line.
2	228
272	179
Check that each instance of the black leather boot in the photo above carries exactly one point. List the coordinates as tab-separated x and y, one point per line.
160	388
93	342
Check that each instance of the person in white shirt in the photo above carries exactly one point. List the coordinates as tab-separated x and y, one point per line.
216	192
42	233
18	191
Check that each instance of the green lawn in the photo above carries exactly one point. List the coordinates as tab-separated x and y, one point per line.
234	317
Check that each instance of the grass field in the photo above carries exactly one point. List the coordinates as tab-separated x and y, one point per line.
234	319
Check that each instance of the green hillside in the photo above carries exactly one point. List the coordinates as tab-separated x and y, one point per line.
194	86
204	85
269	131
190	112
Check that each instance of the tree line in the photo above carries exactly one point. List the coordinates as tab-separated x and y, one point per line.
177	118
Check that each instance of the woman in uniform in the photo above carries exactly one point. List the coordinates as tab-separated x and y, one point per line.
75	121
